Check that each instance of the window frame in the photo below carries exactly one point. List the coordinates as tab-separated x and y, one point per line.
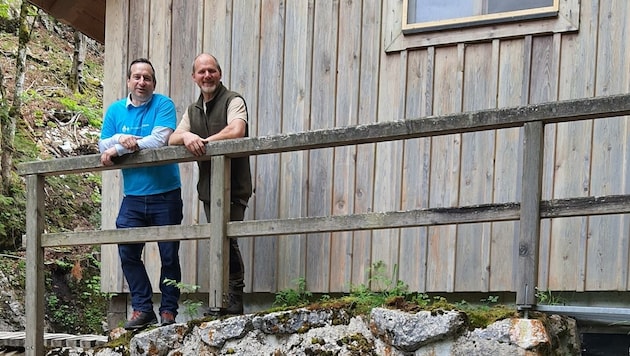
397	37
476	20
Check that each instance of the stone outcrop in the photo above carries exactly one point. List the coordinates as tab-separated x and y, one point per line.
336	332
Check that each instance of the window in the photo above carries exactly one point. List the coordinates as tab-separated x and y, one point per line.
425	15
421	23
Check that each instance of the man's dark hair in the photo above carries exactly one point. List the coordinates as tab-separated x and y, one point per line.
141	60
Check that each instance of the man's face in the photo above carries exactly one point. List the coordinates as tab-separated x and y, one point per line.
206	76
141	84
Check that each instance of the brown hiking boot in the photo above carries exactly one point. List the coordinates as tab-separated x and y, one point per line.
167	318
140	320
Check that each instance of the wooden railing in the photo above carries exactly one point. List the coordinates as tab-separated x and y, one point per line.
529	211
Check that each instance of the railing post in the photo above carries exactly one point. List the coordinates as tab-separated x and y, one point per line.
529	234
219	216
34	299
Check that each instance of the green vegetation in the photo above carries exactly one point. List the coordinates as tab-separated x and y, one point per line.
293	297
383	291
50	113
547	297
191	306
74	302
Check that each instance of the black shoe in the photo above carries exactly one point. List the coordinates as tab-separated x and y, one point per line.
140	320
167	318
235	305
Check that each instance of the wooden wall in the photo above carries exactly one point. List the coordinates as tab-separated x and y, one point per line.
306	65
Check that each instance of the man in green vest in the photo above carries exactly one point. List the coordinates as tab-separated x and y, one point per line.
218	114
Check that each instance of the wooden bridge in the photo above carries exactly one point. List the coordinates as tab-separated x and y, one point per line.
529	211
16	339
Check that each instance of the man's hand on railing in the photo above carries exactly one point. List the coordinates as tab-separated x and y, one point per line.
195	144
106	157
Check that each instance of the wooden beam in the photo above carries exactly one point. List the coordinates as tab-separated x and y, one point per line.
35	288
561	111
529	234
219	242
558	208
87	16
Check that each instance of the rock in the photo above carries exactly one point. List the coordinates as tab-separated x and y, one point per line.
336	332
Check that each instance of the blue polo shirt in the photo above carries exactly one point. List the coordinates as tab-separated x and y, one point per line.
123	118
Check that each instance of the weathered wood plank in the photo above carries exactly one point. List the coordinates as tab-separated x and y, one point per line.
218	258
293	165
266	274
608	243
544	73
529	233
616	204
573	154
445	169
368	94
472	265
507	163
17	338
388	163
415	173
344	177
320	161
435	125
244	77
137	32
35	289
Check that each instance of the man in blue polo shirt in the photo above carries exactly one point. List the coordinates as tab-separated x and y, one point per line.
152	195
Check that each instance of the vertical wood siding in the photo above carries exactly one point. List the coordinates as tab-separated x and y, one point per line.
306	65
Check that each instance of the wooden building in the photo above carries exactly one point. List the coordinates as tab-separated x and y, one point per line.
315	64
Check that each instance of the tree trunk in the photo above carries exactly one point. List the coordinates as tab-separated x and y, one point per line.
8	123
4	113
78	58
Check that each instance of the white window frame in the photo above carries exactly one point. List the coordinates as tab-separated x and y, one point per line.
399	35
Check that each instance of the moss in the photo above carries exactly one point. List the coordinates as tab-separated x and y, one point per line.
482	317
357	344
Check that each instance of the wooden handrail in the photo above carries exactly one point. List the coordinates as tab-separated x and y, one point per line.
530	211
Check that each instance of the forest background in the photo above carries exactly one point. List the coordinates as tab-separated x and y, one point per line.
51	106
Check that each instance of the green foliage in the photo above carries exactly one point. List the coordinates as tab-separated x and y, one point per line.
547	297
379	289
66	205
74	301
12	221
89	107
294	297
491	299
421	299
383	291
4	10
13	267
191	307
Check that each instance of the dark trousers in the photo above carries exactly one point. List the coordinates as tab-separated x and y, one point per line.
151	210
236	267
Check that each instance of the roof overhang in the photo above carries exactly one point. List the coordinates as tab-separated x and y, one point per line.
87	16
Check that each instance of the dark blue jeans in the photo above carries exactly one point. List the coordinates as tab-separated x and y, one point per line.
151	210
